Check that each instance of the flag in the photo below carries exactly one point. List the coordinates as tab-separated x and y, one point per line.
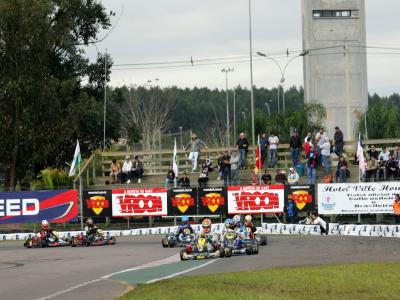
258	166
360	154
76	161
175	161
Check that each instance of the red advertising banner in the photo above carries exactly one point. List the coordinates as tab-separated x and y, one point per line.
139	202
265	199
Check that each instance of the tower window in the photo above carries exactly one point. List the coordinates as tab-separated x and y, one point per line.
331	13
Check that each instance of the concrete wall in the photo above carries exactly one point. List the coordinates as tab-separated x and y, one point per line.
337	75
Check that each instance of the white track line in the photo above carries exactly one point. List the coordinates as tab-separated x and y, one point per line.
182	272
171	259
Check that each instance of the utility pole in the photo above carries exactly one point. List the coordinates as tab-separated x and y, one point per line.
226	71
251	79
234	114
105	100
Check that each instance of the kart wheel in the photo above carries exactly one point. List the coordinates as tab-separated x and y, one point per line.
221	252
249	249
227	252
171	244
263	240
181	253
255	250
28	244
113	241
73	242
164	242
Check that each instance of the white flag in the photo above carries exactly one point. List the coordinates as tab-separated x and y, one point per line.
175	161
360	155
76	161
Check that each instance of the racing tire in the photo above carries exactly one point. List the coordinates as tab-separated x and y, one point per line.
227	252
171	244
28	244
255	250
263	240
221	252
181	253
73	242
113	241
249	249
165	243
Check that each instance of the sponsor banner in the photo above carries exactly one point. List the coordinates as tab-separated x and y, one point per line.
182	201
265	199
302	195
30	207
212	201
357	198
97	203
139	202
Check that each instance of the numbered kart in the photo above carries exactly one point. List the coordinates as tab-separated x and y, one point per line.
93	240
232	245
260	239
202	248
41	241
182	240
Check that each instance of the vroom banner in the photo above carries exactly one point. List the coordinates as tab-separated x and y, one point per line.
97	203
182	201
212	201
29	207
357	198
266	199
139	202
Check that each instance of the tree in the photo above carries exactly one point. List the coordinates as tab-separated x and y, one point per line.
42	66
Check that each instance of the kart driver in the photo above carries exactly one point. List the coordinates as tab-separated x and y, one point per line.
92	231
249	226
234	225
211	236
47	232
185	228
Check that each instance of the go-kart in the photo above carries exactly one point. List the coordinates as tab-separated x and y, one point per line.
202	248
98	239
41	241
261	239
234	245
182	240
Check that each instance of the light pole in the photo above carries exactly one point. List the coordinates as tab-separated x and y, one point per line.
251	79
105	101
226	71
283	71
180	130
234	114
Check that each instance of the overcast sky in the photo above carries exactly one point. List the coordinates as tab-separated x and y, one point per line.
175	30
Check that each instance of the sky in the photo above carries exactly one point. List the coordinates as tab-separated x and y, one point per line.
208	30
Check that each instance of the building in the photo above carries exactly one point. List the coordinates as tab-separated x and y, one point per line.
335	68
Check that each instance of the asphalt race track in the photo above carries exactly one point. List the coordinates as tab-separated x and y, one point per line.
87	272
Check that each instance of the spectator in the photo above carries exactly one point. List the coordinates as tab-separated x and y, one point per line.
126	174
320	140
266	178
295	145
115	171
307	147
184	181
242	146
219	167
203	178
309	135
338	141
396	153
291	212
263	148
311	166
234	163
384	154
137	169
280	177
208	162
396	208
391	168
316	220
170	181
373	153
273	150
371	168
293	177
326	154
342	172
226	168
195	146
382	165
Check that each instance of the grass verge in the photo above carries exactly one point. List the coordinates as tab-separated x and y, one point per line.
338	281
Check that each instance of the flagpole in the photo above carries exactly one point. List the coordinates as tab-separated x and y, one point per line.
259	151
80	196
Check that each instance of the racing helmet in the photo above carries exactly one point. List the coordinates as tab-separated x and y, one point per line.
89	222
236	218
206	224
227	223
248	218
185	220
45	225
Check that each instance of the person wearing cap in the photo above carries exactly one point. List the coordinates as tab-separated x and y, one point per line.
338	141
293	177
396	208
195	146
126	174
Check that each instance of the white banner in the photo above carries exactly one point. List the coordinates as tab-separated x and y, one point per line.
139	202
256	199
357	198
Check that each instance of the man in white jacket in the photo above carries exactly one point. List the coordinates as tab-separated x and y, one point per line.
293	177
326	154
